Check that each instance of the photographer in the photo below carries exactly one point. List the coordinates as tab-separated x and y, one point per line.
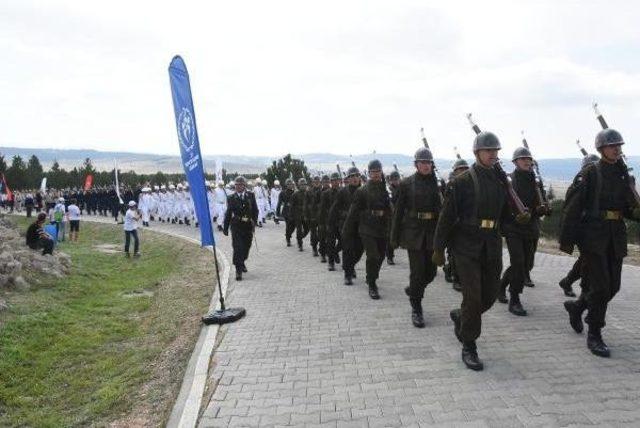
131	218
37	238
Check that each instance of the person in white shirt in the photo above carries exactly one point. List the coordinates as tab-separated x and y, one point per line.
131	218
73	215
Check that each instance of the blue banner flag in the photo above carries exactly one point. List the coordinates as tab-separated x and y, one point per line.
190	145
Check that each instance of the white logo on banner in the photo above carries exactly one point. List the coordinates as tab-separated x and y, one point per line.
187	129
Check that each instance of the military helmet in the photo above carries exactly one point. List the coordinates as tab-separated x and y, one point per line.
288	181
302	181
276	182
240	180
423	154
521	152
335	176
316	178
325	177
486	141
353	171
608	137
374	165
589	159
460	163
395	175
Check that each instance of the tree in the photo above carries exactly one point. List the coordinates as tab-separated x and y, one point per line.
56	177
3	165
16	174
34	172
284	168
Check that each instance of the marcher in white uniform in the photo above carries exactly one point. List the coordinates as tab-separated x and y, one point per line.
274	197
221	204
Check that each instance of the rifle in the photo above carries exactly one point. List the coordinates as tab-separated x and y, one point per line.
513	197
395	168
441	183
455	150
340	172
582	150
542	196
628	172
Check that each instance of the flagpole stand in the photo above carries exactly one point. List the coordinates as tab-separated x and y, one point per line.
223	315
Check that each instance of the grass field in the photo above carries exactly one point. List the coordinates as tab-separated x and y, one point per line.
109	343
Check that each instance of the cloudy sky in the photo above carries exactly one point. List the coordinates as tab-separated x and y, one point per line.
331	76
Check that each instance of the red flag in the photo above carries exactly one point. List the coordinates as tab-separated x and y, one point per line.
7	190
88	182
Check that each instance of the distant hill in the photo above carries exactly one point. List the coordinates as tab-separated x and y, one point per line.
560	170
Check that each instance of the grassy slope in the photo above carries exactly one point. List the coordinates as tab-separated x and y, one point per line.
79	351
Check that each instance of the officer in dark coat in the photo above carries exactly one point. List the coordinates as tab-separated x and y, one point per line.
311	205
369	217
594	220
414	222
329	233
474	206
394	187
522	239
450	272
351	245
283	209
297	209
321	219
241	216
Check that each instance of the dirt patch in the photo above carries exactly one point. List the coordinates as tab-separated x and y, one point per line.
138	293
551	247
108	248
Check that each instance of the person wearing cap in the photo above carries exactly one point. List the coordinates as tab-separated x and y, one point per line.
144	203
593	219
522	239
274	195
415	215
311	205
321	218
475	205
297	211
241	216
37	238
283	210
351	250
130	226
73	215
262	199
369	217
220	196
328	236
59	215
394	187
450	272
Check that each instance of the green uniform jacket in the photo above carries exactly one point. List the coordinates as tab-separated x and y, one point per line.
368	200
284	204
327	199
297	205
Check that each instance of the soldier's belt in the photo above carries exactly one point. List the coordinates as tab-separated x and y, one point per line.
612	215
426	215
487	223
244	218
377	213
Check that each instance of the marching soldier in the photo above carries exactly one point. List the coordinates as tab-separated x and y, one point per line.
594	220
329	236
413	226
474	207
450	272
241	216
311	201
394	186
522	239
351	245
297	209
321	219
283	209
369	217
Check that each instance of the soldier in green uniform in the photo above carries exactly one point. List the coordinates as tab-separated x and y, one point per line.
594	220
311	201
450	272
297	210
394	187
330	188
283	209
522	239
241	216
414	222
474	206
369	217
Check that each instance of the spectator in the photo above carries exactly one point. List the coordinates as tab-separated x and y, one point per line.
29	204
37	238
73	214
59	214
131	218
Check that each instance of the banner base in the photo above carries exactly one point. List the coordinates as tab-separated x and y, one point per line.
226	316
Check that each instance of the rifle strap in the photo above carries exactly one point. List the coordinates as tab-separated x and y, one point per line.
476	190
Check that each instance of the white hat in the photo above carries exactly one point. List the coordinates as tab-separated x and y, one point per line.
276	182
171	187
146	189
132	203
220	183
60	199
258	180
179	186
163	187
156	188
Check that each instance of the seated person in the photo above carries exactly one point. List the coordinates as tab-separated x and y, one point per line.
37	238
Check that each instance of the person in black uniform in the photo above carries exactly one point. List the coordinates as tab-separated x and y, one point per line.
241	216
283	209
413	225
311	201
329	238
594	220
321	219
369	217
474	206
351	245
394	186
522	239
450	272
297	209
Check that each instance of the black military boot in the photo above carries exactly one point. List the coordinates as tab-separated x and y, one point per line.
502	293
238	274
456	286
323	258
300	246
447	273
575	315
528	282
338	258
416	313
347	279
288	242
390	261
220	228
332	266
315	252
455	317
470	356
373	291
595	343
566	287
244	268
515	307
